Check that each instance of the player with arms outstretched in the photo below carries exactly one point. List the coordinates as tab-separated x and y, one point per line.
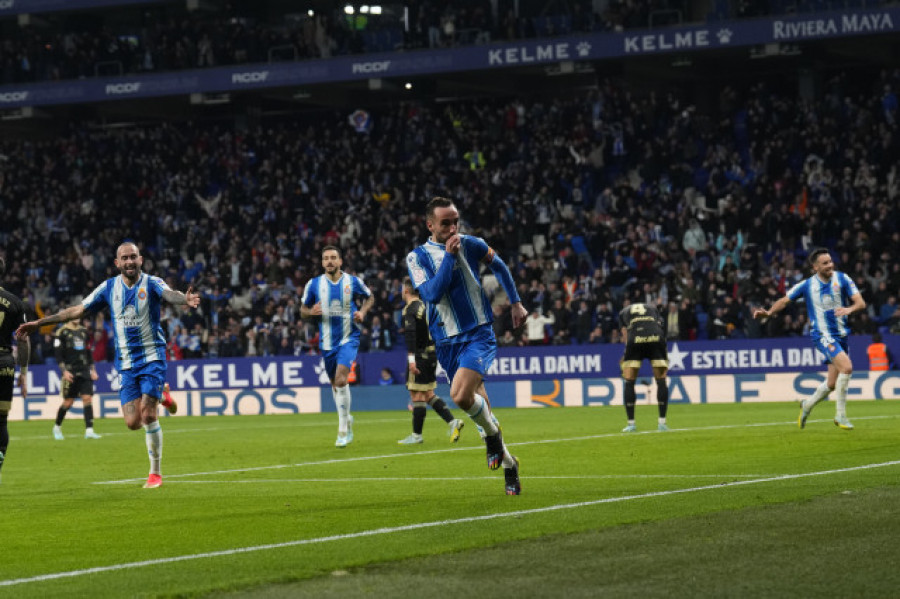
134	300
830	296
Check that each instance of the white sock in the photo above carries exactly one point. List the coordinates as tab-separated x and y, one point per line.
662	420
820	394
342	401
843	381
154	438
480	412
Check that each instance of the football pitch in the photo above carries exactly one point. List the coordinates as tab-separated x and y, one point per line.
734	501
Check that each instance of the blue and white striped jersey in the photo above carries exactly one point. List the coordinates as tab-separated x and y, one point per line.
135	313
821	298
336	326
464	305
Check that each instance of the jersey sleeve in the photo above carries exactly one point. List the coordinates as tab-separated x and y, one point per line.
58	349
660	320
360	288
409	326
798	290
416	273
97	300
309	294
477	248
157	286
848	285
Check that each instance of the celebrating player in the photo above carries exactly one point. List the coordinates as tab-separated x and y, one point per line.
445	271
134	300
331	297
830	297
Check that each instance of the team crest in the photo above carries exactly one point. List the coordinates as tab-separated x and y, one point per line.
142	294
347	289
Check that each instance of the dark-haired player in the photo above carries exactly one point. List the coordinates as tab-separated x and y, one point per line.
78	375
331	297
422	359
446	272
830	297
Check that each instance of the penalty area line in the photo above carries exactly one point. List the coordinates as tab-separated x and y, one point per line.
424	525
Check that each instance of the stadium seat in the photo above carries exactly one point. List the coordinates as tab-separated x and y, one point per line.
702	320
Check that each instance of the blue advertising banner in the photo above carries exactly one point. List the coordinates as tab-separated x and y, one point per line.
550	376
523	393
597	46
747	356
18	7
552	362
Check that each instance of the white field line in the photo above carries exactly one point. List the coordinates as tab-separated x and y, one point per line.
75	428
424	525
420	479
406	454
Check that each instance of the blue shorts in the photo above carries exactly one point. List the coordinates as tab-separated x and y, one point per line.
830	347
143	380
343	354
475	350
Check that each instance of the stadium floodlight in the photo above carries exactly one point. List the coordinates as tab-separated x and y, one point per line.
364	9
375	10
349	9
408	85
311	12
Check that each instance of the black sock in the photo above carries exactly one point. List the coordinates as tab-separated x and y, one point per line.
662	396
4	436
61	414
419	412
630	398
438	405
89	416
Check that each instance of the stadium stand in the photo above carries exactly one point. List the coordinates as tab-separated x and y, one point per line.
168	36
614	193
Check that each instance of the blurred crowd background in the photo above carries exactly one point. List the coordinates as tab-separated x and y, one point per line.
594	197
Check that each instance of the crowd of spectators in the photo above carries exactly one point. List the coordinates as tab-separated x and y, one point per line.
168	37
594	199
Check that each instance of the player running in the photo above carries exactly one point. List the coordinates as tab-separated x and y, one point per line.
134	299
830	297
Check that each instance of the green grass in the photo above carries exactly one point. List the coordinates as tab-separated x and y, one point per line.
734	501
